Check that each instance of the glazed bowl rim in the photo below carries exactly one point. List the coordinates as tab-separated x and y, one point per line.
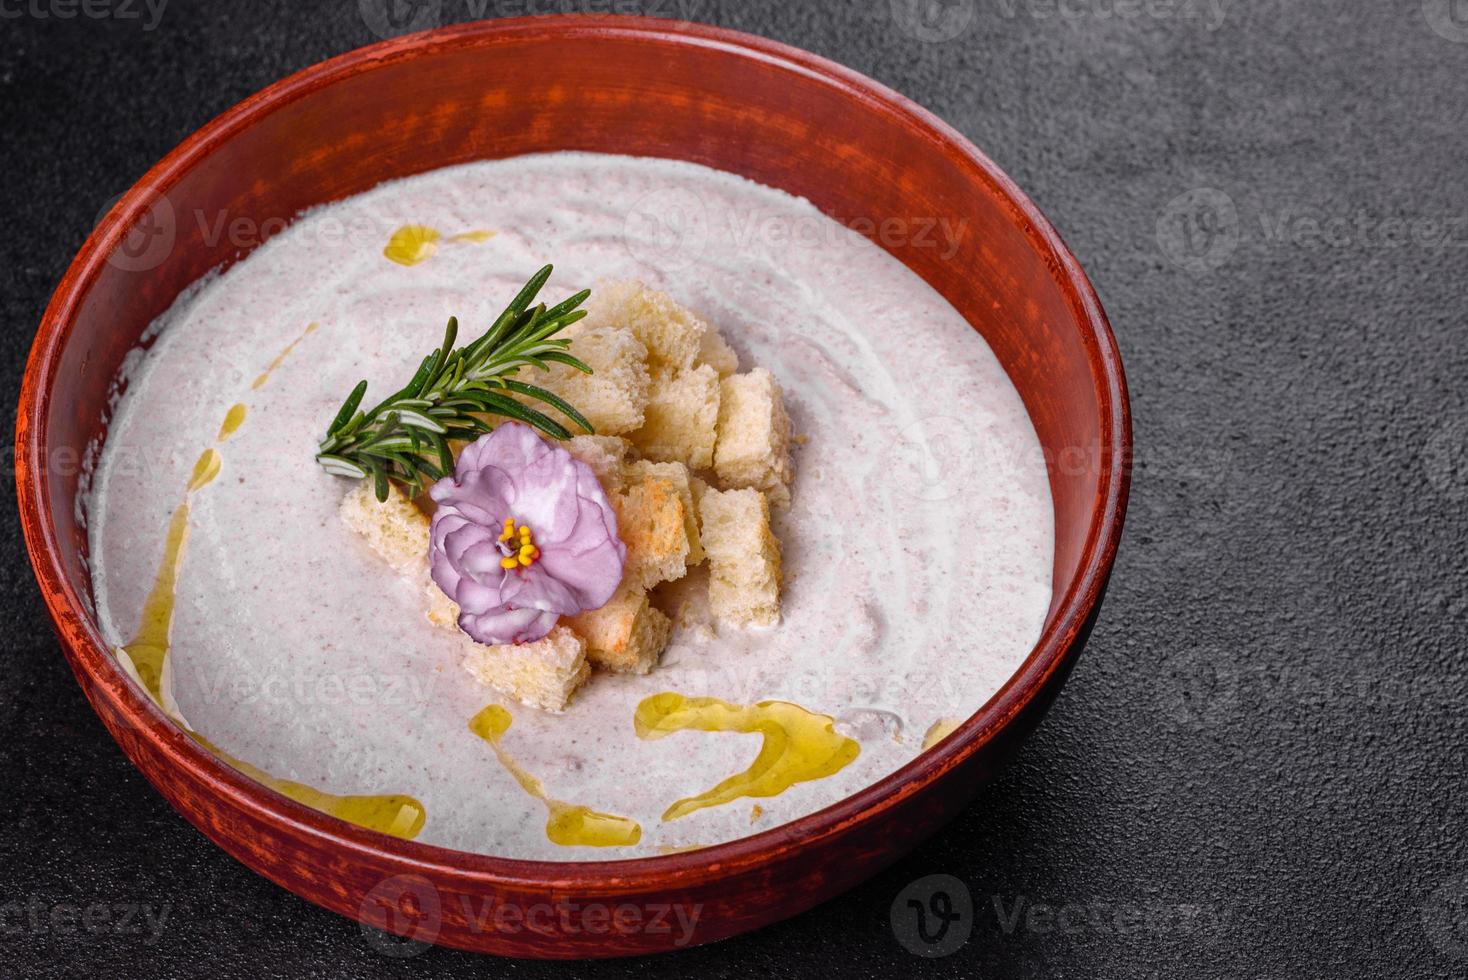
91	656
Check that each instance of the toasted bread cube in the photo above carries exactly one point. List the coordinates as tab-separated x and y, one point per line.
753	449
744	557
604	454
676	338
698	487
395	529
651	524
613	396
443	612
626	636
715	351
680	422
682	480
397	532
543	674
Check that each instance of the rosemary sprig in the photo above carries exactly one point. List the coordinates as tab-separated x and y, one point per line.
406	437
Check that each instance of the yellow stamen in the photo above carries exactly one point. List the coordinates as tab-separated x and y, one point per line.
522	541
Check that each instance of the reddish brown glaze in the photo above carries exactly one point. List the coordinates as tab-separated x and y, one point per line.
862	153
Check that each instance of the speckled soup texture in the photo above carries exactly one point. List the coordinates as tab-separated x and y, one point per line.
918	548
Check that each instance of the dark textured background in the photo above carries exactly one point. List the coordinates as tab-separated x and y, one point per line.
1258	768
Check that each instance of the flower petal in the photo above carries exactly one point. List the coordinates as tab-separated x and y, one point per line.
513	473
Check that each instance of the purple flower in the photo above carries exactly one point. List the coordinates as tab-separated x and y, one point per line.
523	535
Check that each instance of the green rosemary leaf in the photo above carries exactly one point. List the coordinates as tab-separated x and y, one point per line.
466	434
419	420
569	304
348	407
553	400
445	455
500	405
341	466
379	481
449	334
406	437
566	359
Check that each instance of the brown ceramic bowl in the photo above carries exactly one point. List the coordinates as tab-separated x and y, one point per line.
620	85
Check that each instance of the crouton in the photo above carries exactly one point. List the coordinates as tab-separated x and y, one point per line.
543	674
753	449
697	488
681	418
442	611
604	454
744	557
678	475
676	338
614	395
651	524
395	529
626	636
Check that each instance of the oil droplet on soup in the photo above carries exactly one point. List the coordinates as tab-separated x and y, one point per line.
233	419
798	746
412	244
940	730
567	824
206	469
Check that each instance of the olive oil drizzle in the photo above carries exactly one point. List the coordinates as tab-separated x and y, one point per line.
264	376
412	244
233	419
939	730
394	814
799	745
567	824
